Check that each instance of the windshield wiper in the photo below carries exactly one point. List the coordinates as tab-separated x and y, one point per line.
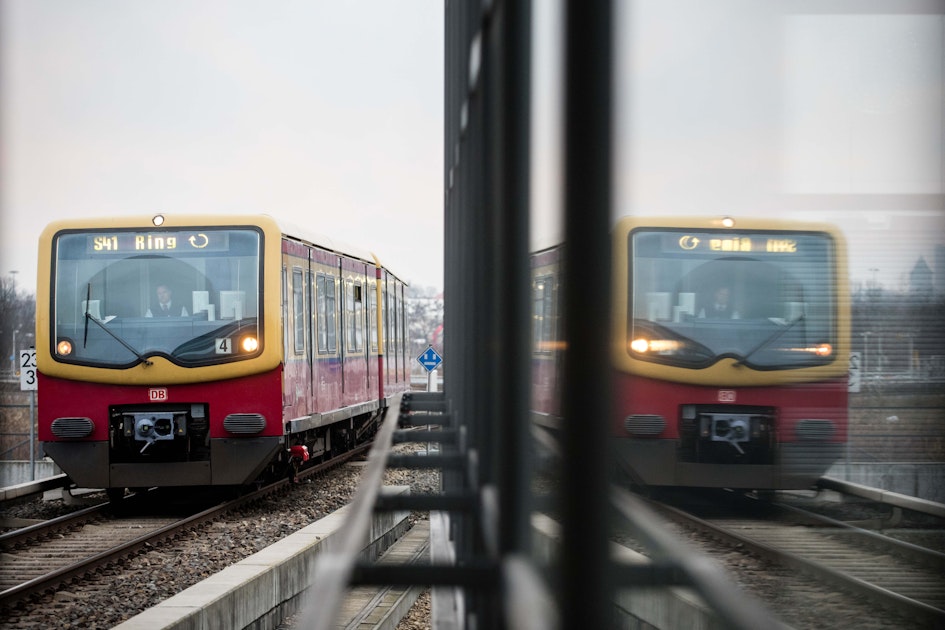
770	339
90	317
88	305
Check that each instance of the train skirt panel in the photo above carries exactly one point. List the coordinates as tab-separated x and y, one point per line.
673	434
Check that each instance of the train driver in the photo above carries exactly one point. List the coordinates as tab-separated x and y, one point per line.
719	306
164	306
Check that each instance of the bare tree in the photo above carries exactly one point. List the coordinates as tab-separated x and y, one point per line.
17	322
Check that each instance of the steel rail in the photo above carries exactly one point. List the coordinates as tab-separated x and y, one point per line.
677	562
12	539
61	575
903	604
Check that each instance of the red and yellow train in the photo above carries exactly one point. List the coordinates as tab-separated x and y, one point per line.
730	350
209	350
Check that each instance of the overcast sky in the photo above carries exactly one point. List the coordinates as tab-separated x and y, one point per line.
825	110
322	114
328	113
828	111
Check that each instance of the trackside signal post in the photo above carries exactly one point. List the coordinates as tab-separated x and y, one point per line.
28	384
430	359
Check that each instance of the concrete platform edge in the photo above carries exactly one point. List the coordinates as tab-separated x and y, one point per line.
256	590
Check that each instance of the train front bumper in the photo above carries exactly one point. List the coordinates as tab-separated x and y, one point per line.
654	462
233	461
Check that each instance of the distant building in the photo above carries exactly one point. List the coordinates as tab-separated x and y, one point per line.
920	278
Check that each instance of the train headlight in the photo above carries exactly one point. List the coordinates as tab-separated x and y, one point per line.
823	350
659	346
640	345
249	344
64	348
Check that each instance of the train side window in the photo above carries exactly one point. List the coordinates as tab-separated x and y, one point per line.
543	324
298	311
356	322
331	309
372	318
385	307
310	310
321	314
403	333
393	330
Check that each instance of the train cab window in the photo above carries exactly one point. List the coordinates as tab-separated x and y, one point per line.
765	298
298	311
193	296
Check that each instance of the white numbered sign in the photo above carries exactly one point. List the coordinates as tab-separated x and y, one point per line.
27	369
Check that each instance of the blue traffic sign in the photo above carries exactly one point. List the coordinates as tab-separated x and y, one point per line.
430	359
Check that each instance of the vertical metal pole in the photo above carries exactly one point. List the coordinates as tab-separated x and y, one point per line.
586	581
512	439
32	435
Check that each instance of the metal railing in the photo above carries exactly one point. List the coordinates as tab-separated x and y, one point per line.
484	571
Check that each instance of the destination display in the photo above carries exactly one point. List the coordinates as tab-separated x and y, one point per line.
754	243
141	242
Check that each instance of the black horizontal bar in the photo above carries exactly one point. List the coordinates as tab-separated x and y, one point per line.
424	396
426	461
425	502
440	419
446	436
481	576
419	405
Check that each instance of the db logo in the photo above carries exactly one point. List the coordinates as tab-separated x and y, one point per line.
727	395
157	394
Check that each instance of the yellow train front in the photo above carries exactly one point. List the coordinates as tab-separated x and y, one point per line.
208	351
730	352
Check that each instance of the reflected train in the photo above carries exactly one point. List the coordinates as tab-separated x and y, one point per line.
730	351
209	350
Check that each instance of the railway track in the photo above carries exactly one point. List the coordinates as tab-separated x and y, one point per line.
42	557
865	569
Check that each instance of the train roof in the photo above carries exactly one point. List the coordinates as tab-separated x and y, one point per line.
305	235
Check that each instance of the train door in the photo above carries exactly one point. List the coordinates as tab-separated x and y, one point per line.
353	332
327	362
371	343
297	368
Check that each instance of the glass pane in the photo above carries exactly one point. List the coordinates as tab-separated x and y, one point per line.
123	295
298	310
320	309
761	297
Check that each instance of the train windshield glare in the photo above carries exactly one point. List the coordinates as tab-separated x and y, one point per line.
190	295
763	298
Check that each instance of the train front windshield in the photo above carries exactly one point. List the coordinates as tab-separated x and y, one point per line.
191	295
763	298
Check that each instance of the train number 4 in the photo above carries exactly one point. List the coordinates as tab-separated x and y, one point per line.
224	346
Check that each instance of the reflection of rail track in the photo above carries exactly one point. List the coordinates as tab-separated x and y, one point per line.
881	573
42	557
